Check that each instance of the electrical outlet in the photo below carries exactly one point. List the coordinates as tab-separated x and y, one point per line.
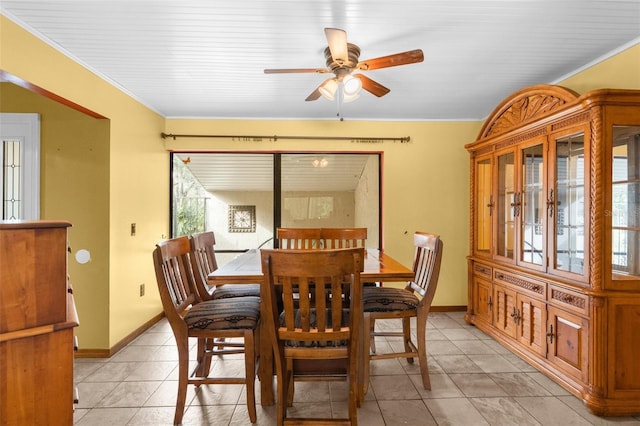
133	229
141	289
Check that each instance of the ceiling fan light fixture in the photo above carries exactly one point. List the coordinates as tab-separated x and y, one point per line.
328	89
351	85
346	98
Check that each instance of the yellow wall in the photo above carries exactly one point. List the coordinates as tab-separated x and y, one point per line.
74	187
620	72
129	184
425	181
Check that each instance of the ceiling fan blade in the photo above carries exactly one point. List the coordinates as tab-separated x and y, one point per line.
372	86
403	58
315	95
295	70
337	40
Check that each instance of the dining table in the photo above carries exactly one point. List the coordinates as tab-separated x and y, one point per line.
246	268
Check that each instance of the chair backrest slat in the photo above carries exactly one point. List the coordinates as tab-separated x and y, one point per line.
426	264
203	260
174	275
318	272
299	238
336	238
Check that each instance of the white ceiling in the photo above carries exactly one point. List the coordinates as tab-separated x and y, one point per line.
205	58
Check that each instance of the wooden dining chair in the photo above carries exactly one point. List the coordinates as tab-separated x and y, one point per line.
299	238
334	238
203	262
203	259
326	330
390	303
191	317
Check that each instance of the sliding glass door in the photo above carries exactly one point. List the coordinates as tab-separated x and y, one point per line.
245	197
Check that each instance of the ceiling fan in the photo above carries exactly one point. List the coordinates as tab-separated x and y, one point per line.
342	59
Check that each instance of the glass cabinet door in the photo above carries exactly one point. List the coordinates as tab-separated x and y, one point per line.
567	199
532	238
484	206
625	193
507	206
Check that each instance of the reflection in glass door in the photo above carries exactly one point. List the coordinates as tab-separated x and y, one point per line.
508	207
484	206
532	223
569	204
625	193
331	191
236	195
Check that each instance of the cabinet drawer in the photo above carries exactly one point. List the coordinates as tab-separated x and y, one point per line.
33	265
569	300
482	270
526	285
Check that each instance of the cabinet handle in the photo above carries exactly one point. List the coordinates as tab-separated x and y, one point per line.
490	303
490	205
550	203
516	316
516	204
550	334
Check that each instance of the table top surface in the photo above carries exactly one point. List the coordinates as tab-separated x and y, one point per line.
246	269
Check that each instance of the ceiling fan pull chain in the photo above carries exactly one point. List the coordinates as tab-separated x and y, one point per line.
339	99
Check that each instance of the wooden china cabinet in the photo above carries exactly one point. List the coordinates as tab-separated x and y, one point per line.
554	264
37	317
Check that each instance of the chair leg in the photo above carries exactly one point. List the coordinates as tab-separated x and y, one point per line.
290	384
366	360
202	344
250	373
373	338
183	377
422	349
406	331
281	394
354	399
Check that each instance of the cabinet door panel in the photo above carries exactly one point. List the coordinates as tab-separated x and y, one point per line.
506	207
568	336
483	207
625	206
532	253
531	325
483	301
568	203
504	305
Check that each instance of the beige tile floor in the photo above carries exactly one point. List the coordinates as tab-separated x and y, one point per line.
474	381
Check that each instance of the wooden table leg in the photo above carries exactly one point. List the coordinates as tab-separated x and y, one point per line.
265	368
361	360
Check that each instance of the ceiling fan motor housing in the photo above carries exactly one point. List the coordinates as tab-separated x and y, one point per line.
353	53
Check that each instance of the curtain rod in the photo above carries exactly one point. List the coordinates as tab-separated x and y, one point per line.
259	138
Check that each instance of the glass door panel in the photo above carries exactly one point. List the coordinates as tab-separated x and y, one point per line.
506	207
324	190
484	207
230	194
244	197
569	205
532	200
625	192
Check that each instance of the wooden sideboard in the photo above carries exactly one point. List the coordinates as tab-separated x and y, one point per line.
37	317
554	264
